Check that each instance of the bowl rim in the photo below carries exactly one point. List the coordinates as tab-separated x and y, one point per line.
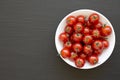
90	11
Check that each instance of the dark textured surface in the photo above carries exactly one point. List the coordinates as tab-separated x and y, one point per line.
27	49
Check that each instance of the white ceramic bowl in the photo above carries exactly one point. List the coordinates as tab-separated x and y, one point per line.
105	54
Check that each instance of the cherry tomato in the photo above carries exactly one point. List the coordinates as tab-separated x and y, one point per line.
78	27
87	49
86	30
97	52
97	45
79	62
98	25
81	19
77	47
71	20
94	18
88	24
77	37
93	59
73	56
68	45
65	53
63	37
87	39
68	29
105	43
106	30
83	56
96	33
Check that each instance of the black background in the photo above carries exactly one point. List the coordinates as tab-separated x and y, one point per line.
27	48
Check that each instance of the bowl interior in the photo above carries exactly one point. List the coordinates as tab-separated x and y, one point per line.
105	54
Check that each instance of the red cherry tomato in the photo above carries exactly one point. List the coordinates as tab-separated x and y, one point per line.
77	37
71	20
98	25
97	45
97	52
81	19
68	29
87	49
105	43
79	62
96	33
106	30
73	56
78	27
83	56
77	47
86	30
68	45
93	59
65	53
94	18
87	39
88	24
63	37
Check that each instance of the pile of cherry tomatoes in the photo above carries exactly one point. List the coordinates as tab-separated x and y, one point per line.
84	39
